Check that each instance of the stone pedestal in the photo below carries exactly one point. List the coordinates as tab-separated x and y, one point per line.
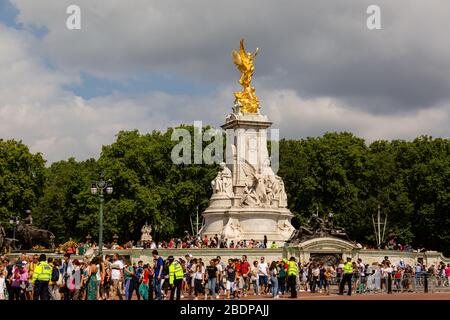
257	206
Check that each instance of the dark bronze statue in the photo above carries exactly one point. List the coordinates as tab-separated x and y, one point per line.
317	227
3	244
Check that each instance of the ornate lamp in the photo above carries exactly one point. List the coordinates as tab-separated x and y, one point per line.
100	187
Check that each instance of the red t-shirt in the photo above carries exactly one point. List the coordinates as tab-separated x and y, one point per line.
146	275
447	272
245	266
237	266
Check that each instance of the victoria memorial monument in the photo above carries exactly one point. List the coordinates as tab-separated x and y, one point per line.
249	200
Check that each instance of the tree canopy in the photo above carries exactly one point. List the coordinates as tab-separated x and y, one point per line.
337	172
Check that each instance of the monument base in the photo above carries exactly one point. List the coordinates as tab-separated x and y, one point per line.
243	223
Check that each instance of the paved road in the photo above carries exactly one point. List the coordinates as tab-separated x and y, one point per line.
367	296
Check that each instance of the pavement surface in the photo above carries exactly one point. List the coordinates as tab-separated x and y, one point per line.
334	296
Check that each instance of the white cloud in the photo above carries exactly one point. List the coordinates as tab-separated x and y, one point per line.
35	108
298	117
317	71
319	48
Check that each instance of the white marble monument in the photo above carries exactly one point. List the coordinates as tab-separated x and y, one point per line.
249	200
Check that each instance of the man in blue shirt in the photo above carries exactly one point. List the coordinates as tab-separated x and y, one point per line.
158	275
139	269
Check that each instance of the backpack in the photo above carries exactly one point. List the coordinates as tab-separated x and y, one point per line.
282	272
55	274
137	273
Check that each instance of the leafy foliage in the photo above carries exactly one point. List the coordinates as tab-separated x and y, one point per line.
337	172
22	177
340	173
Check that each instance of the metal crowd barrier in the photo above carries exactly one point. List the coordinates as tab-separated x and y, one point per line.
407	283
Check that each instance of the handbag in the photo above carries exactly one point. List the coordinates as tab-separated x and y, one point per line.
59	283
71	284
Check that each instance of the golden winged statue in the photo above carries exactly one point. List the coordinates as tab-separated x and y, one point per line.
246	98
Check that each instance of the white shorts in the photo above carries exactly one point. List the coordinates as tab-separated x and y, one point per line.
230	285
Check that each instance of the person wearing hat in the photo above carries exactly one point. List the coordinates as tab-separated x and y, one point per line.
18	281
292	276
176	276
41	277
347	277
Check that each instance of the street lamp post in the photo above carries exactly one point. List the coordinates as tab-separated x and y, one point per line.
100	187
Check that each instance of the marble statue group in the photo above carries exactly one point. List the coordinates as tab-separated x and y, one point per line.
264	188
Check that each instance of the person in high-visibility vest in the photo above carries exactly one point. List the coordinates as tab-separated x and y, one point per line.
347	277
292	273
41	277
176	276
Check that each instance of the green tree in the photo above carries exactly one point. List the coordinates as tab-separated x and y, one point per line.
22	177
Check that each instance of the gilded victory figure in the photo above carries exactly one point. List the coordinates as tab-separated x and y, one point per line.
246	99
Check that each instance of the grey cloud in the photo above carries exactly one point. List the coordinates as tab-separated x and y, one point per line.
319	68
319	48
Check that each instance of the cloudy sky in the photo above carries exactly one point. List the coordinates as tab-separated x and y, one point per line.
152	64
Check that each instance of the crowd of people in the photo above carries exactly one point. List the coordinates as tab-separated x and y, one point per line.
392	244
113	277
192	242
188	242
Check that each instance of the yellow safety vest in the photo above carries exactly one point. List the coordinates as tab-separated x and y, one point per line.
51	282
292	268
348	267
175	272
42	272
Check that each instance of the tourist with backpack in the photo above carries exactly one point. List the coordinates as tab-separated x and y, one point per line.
282	273
56	279
129	276
137	279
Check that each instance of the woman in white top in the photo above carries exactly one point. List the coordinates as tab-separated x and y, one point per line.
2	284
315	273
305	278
254	278
199	280
273	271
378	276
